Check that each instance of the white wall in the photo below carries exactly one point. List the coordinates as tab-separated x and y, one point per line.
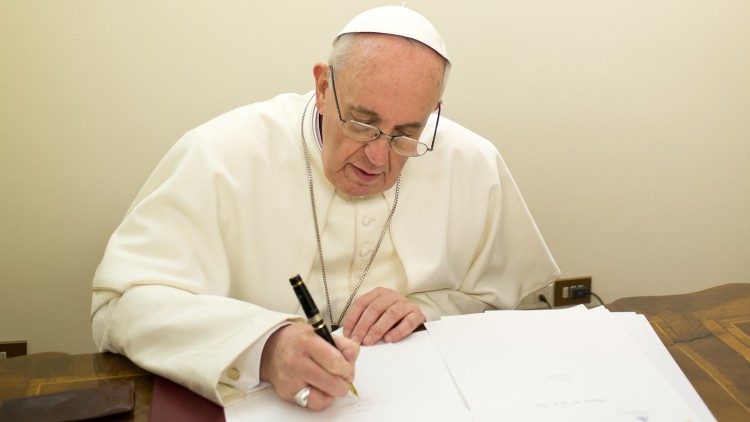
625	122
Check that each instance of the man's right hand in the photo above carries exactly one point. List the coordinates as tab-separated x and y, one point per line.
295	357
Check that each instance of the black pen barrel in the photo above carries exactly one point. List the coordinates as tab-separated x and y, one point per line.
307	302
321	329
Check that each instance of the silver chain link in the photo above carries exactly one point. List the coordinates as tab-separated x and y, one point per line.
317	229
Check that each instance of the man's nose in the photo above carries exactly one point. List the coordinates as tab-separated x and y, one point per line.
377	150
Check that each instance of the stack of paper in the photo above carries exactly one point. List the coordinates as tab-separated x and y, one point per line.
570	364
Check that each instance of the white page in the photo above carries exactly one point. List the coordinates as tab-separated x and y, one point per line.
401	381
641	332
551	365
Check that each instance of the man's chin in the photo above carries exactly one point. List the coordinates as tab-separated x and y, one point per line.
359	190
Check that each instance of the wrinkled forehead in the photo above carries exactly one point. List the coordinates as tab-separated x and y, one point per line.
369	45
370	48
377	62
392	66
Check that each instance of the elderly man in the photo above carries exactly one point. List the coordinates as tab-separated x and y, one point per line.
392	214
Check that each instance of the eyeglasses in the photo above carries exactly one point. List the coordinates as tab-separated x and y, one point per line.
363	132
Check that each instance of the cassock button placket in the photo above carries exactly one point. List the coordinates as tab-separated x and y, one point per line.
361	277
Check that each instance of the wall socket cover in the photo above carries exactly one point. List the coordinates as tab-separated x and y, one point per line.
567	291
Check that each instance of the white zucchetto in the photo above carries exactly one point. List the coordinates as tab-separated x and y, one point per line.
397	20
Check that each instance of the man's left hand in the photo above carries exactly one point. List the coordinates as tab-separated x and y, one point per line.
381	314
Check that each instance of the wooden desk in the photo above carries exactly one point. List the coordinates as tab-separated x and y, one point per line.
707	333
45	373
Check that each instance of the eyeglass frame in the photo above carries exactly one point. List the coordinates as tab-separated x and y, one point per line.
380	132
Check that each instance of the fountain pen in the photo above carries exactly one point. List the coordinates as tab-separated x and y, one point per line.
313	316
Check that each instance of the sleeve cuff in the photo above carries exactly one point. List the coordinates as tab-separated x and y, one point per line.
244	372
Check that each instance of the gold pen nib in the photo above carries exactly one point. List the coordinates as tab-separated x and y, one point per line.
353	390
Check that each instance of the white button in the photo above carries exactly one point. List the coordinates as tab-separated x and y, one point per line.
233	373
367	220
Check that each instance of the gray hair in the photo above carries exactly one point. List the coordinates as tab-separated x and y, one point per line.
342	53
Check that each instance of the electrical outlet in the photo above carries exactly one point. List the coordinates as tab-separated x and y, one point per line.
572	291
9	349
532	301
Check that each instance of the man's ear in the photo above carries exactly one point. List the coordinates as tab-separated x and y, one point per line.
320	73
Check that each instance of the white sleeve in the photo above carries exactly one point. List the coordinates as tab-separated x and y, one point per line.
194	340
438	303
161	293
510	261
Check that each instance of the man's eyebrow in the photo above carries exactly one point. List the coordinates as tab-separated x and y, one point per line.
376	118
366	111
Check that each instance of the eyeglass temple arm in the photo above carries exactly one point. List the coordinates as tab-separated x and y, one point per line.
335	97
437	120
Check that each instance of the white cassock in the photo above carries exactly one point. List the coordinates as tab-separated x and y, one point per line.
197	275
